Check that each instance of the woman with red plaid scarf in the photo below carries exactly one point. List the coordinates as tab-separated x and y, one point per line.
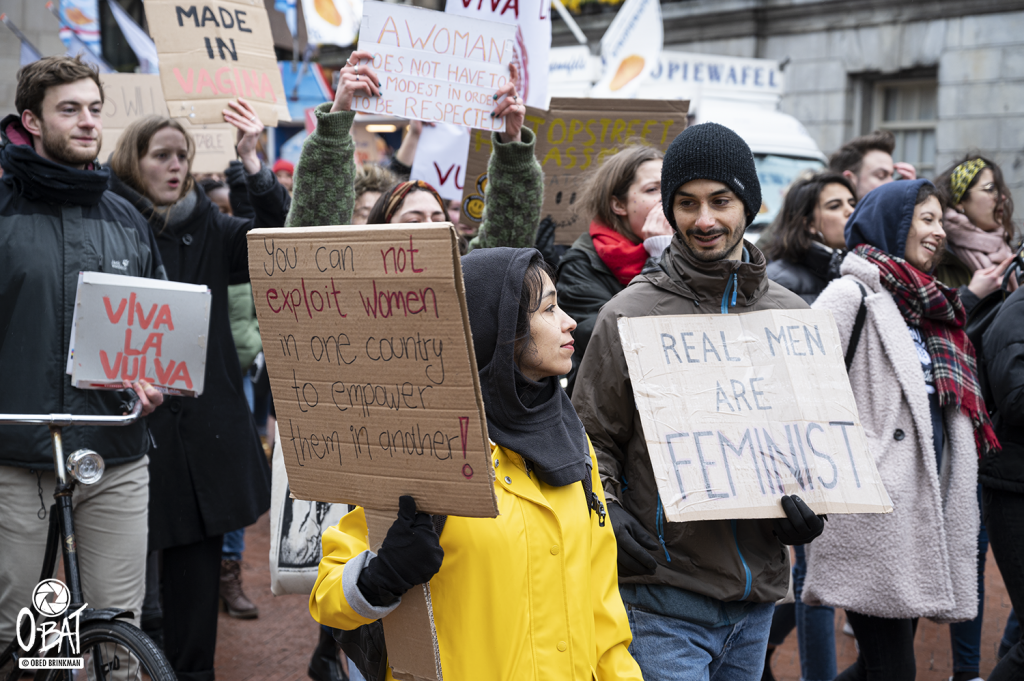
914	377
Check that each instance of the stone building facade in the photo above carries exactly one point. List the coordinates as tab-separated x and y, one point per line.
947	77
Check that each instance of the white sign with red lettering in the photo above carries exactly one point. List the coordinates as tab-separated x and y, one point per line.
132	328
441	159
435	66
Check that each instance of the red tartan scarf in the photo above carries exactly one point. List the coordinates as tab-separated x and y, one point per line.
623	257
936	310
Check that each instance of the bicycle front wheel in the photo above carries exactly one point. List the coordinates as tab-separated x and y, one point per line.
116	651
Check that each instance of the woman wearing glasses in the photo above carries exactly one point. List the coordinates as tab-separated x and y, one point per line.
979	227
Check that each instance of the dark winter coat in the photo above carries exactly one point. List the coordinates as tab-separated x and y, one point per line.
208	472
55	222
585	283
725	560
807	278
1003	345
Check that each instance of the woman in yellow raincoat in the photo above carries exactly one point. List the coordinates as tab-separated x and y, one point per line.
533	593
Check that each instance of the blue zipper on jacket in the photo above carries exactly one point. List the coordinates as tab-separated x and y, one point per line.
746	568
659	524
731	287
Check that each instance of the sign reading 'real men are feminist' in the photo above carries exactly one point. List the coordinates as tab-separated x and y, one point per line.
741	409
435	66
212	52
370	357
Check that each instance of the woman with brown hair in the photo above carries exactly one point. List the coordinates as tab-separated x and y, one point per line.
208	472
806	243
628	229
979	228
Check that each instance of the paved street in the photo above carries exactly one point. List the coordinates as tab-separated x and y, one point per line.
277	646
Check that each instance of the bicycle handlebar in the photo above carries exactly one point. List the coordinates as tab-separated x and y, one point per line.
71	419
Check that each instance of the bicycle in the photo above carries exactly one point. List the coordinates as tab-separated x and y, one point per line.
109	646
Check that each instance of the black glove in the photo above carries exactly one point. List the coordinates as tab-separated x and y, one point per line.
411	554
632	538
800	525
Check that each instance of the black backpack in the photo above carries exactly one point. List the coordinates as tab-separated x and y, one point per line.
981	318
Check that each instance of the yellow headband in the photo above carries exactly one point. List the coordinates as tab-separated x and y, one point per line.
962	177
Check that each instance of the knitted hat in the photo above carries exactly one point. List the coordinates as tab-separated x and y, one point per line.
281	164
710	151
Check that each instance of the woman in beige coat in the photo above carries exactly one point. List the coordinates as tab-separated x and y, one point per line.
914	379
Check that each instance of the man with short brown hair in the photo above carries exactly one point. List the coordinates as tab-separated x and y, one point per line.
57	219
866	161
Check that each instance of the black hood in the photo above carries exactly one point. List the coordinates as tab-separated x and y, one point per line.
38	179
535	420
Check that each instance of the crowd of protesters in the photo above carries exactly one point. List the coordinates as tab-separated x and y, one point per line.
580	576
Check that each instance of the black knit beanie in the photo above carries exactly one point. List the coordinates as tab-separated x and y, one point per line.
710	151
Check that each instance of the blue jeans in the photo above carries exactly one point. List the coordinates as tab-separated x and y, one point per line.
815	629
671	649
234	544
965	637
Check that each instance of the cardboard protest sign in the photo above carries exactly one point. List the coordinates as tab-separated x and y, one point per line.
739	409
573	137
130	96
370	358
133	328
214	51
441	159
435	66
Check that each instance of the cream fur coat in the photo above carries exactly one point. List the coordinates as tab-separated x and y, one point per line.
921	559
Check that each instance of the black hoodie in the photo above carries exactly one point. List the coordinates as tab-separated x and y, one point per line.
56	221
535	420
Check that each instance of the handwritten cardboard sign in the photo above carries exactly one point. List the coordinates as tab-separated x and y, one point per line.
133	328
370	358
130	96
739	409
213	51
435	66
574	136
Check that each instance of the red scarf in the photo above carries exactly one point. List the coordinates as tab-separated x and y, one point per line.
936	310
624	258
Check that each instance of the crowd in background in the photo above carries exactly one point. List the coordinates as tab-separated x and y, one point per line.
602	585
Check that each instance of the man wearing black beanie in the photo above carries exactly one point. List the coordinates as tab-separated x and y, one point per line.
700	595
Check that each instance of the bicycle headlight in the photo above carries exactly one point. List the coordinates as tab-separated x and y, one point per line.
86	466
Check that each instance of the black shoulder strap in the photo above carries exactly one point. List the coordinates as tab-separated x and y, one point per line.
858	326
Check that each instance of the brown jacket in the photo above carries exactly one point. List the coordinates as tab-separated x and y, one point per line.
728	560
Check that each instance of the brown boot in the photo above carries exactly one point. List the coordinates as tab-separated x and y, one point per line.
231	595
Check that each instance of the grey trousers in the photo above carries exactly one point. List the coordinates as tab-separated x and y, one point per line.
111	528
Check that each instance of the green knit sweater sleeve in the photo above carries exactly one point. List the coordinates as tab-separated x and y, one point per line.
323	193
515	192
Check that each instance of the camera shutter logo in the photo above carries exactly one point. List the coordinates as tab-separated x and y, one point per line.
51	598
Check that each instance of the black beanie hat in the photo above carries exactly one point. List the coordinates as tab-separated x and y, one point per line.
710	151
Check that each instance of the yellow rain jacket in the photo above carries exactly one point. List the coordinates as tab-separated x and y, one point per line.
531	594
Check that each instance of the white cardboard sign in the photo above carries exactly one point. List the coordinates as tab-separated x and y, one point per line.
441	159
739	409
434	66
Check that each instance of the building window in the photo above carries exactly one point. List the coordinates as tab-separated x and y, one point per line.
908	109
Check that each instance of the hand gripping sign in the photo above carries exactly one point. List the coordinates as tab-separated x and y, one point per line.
434	66
741	409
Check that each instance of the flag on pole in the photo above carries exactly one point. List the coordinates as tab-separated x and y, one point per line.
140	42
332	22
29	53
291	17
630	48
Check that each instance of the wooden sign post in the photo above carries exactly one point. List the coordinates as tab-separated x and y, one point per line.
741	409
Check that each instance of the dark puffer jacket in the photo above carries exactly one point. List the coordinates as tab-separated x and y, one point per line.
1003	345
57	221
585	283
818	265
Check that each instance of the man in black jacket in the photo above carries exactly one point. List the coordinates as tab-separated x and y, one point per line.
57	219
